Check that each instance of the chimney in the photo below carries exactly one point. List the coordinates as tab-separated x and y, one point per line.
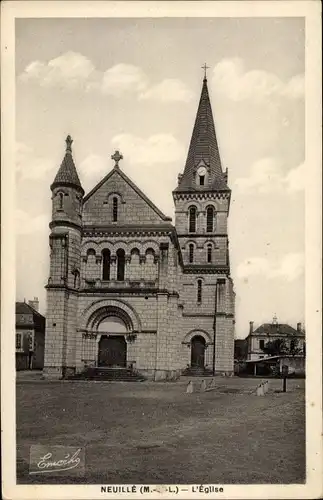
299	327
34	303
250	327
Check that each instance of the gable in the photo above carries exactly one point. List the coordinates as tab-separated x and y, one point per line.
134	207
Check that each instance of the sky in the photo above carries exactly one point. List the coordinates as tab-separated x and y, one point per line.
134	85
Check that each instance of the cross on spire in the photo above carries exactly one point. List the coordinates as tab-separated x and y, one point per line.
117	157
205	67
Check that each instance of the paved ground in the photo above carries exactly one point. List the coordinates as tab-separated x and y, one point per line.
156	433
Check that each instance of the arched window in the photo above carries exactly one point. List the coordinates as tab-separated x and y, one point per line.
209	219
191	252
76	278
115	209
106	265
202	179
209	253
120	264
199	291
192	219
61	200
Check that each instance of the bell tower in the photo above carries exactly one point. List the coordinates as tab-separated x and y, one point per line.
64	276
202	202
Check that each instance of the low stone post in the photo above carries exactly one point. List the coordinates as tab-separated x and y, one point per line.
260	390
190	387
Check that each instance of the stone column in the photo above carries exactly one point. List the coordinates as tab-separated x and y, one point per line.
98	260
113	268
142	260
126	267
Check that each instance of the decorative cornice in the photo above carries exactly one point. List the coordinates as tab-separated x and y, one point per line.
128	230
123	291
204	235
202	195
207	315
56	223
61	286
206	270
58	236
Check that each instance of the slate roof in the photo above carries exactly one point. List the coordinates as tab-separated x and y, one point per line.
24	308
276	329
38	320
203	147
67	173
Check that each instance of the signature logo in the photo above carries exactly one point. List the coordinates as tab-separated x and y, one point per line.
56	459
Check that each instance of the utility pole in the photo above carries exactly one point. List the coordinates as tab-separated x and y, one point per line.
214	324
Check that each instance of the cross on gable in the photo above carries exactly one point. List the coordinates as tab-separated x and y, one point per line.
117	157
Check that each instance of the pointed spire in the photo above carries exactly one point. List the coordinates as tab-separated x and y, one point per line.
203	148
67	173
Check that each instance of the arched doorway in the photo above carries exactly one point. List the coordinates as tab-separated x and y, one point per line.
112	347
112	351
197	352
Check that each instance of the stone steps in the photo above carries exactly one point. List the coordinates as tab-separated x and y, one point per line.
113	374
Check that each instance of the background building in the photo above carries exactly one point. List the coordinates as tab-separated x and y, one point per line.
126	287
30	336
283	339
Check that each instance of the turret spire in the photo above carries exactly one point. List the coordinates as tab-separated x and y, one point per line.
67	173
203	149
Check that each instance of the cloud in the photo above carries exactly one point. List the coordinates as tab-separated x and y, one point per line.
230	78
73	71
168	90
123	78
158	148
27	224
290	267
266	176
92	169
29	165
70	71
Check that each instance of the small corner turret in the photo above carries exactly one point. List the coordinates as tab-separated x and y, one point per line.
67	191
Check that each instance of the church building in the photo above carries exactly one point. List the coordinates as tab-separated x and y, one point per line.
126	287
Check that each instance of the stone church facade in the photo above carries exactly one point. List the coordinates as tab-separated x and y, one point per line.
126	287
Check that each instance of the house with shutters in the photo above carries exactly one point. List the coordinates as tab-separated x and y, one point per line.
30	336
127	288
275	331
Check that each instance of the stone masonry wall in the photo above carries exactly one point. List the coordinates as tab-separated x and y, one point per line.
182	212
55	332
131	207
